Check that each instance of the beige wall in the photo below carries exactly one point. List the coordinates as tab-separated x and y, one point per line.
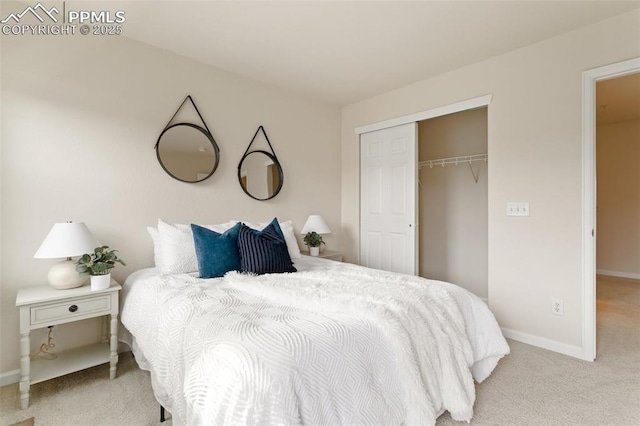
618	214
452	206
80	118
534	132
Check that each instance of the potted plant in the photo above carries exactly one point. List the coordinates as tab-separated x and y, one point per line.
99	265
313	240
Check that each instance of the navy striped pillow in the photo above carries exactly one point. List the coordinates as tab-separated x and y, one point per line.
263	252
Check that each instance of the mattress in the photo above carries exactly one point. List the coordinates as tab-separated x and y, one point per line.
334	343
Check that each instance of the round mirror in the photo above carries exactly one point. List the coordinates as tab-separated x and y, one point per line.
260	175
187	152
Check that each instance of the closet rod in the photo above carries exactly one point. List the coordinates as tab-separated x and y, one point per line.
453	160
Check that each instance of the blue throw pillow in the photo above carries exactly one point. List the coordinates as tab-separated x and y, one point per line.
263	252
217	253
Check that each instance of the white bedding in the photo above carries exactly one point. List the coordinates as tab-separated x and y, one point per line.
332	344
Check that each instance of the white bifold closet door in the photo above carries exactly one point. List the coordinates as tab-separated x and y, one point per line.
388	234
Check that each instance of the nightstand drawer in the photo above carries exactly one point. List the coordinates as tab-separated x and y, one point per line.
70	310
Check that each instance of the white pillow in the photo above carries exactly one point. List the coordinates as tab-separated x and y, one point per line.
289	236
157	245
178	252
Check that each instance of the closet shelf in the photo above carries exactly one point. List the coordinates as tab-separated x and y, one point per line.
453	160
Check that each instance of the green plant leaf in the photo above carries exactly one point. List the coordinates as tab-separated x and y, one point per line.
313	239
100	262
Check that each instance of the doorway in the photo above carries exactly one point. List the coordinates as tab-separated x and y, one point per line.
589	80
617	211
618	177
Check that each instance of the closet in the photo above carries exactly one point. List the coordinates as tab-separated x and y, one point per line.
424	196
452	199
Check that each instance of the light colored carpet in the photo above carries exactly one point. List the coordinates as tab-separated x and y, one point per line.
87	397
530	387
533	386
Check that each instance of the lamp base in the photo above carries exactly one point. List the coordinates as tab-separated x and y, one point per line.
63	275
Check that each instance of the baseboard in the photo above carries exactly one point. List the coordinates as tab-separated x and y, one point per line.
544	343
10	377
13	376
618	274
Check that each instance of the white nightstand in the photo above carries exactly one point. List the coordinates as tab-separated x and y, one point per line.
327	254
43	306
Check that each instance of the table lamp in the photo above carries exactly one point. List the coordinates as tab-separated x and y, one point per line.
315	224
66	240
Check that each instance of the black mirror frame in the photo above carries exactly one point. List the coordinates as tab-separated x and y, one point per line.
275	161
209	136
205	130
271	155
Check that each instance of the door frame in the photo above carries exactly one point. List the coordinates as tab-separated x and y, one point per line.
589	80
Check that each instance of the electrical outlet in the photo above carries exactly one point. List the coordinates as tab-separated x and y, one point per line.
557	307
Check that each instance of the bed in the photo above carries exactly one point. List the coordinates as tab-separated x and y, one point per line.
333	343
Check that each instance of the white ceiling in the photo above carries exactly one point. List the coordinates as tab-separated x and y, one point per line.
345	51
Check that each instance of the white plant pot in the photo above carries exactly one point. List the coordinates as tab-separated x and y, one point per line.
314	251
100	282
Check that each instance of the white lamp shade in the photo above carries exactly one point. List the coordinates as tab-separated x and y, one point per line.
67	240
315	223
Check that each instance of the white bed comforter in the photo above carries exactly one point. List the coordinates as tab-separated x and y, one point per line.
332	344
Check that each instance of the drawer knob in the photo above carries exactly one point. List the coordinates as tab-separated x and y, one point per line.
73	308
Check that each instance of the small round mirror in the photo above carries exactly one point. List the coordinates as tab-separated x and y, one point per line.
260	175
187	152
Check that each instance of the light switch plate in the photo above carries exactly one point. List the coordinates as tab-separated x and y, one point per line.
520	208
